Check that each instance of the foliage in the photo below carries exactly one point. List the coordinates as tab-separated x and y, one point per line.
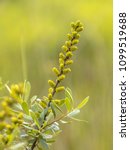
33	123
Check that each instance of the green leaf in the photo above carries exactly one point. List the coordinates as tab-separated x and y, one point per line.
43	113
78	119
49	116
33	99
17	146
64	122
73	113
83	103
35	119
57	107
25	107
31	129
43	143
36	107
59	102
27	88
55	126
53	109
68	94
68	104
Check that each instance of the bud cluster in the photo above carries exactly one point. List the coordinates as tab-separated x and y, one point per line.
9	120
65	59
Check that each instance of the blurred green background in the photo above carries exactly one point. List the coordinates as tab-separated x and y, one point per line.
39	28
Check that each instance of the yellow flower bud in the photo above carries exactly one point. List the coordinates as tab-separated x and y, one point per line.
79	29
74	33
51	83
64	48
5	139
61	55
2	125
56	71
78	23
61	61
9	128
60	78
68	62
77	36
20	115
66	70
50	90
50	96
2	114
75	41
73	25
61	66
69	54
20	121
14	120
73	48
4	104
69	36
43	104
59	89
68	43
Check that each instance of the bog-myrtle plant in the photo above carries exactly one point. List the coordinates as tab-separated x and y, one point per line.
33	123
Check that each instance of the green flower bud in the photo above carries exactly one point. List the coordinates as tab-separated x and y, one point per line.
69	36
60	78
50	96
64	48
61	55
68	62
50	90
51	83
59	89
67	70
68	43
75	42
69	54
56	71
79	29
61	61
73	48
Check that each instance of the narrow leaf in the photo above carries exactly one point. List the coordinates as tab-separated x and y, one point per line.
57	107
68	94
43	143
53	109
25	107
78	119
33	98
34	118
68	104
27	88
83	103
73	113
